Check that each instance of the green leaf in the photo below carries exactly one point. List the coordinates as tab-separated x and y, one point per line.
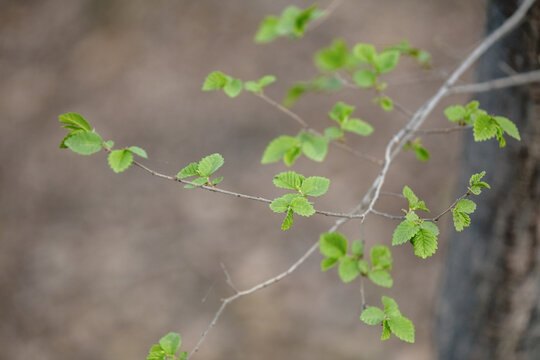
217	180
75	120
386	334
315	186
328	263
466	205
294	93
365	78
170	343
267	30
381	257
475	178
461	220
381	278
288	180
341	112
348	269
290	156
315	147
138	151
391	308
183	355
156	353
472	106
484	128
259	85
302	207
198	181
74	132
278	147
333	245
455	113
120	160
428	225
421	153
233	87
386	61
190	170
303	18
282	204
402	327
357	126
425	243
214	81
363	266
109	144
508	126
410	196
288	221
404	232
357	248
333	57
365	52
333	132
209	164
372	315
386	103
84	143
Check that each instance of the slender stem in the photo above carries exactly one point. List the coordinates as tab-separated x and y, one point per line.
509	81
443	130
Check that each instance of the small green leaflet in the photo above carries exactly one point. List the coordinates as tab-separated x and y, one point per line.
421	153
425	243
292	23
460	213
414	203
315	186
289	180
348	269
385	102
217	80
138	151
120	160
365	78
209	164
259	85
357	248
278	147
381	258
404	232
84	142
167	348
302	206
381	278
289	148
386	61
75	120
341	113
333	57
475	185
421	56
204	169
392	320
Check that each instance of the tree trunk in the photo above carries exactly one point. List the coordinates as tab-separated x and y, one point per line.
490	302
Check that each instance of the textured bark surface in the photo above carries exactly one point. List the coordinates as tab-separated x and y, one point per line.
490	301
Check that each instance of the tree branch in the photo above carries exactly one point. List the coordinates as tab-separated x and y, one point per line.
513	80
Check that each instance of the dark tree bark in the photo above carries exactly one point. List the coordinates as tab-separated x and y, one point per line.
490	302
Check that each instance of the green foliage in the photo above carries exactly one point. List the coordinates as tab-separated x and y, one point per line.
421	153
120	160
460	213
204	169
292	23
414	203
391	319
385	102
84	142
424	242
341	113
476	185
217	80
167	348
74	121
259	85
321	83
421	56
137	151
336	56
297	202
289	148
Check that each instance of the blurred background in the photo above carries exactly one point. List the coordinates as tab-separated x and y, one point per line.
95	265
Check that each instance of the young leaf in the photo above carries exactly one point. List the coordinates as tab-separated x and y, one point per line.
455	113
363	266
386	61
214	81
381	278
315	186
190	170
278	147
348	269
217	180
288	180
386	103
315	147
391	308
328	263
259	85
233	87
410	196
302	206
386	334
425	243
372	315
461	220
120	160
291	155
267	30
197	181
476	185
209	164
84	143
288	221
508	126
282	204
138	151
75	120
341	112
357	248
484	128
156	353
428	225
365	78
333	57
402	327
333	132
333	245
108	144
357	126
404	232
365	52
466	205
170	343
381	257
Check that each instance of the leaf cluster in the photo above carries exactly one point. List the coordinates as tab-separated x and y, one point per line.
335	247
167	348
217	80
291	23
297	203
393	322
421	152
341	113
421	234
203	170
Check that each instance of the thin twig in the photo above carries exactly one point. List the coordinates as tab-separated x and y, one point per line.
437	218
443	130
513	80
228	277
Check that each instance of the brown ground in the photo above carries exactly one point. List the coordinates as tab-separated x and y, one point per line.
95	265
